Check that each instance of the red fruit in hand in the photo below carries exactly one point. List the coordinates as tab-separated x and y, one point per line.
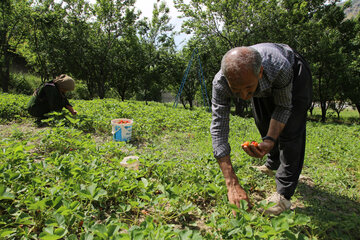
254	144
245	144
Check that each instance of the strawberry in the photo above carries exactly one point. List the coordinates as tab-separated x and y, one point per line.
254	144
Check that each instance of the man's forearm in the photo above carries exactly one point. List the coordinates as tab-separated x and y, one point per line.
228	170
275	128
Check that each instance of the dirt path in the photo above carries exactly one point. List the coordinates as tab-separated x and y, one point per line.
14	128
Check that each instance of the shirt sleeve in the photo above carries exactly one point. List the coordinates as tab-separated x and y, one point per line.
220	118
67	103
283	96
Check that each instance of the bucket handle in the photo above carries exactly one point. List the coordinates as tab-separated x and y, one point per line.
112	132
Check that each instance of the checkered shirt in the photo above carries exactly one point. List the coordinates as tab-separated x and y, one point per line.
278	61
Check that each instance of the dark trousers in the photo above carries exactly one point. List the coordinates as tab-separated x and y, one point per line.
287	156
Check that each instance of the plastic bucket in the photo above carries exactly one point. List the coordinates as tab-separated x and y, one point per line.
121	131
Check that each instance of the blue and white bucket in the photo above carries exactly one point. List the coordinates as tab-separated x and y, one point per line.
121	131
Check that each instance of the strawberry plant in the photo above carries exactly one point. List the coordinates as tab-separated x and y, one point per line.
66	180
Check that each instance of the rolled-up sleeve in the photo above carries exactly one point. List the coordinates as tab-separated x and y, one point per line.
220	117
282	92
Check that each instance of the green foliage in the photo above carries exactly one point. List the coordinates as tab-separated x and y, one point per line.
80	92
24	83
65	181
109	48
12	106
157	47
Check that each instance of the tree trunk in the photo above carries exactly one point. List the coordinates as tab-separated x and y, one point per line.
191	105
190	99
6	74
5	69
4	44
312	108
101	86
358	108
323	111
122	95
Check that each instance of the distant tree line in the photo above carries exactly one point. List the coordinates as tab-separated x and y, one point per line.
110	48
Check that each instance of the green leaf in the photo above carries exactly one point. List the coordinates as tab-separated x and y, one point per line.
60	232
137	234
91	189
290	235
100	230
72	237
60	219
50	233
235	231
243	205
145	197
249	232
4	195
6	232
72	120
37	180
25	219
74	205
100	193
234	207
301	220
145	182
185	234
40	205
87	236
187	208
112	229
57	202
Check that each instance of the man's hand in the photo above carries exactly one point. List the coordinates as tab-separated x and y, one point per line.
261	150
235	194
235	191
265	147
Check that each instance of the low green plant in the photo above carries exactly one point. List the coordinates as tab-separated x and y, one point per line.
67	181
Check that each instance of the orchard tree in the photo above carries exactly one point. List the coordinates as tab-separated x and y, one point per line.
194	57
310	27
191	77
351	85
328	55
79	31
43	49
113	18
222	25
128	64
13	19
157	43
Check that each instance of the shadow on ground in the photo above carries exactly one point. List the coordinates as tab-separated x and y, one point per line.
338	217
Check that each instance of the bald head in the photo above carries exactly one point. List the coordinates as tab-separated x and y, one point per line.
239	60
242	69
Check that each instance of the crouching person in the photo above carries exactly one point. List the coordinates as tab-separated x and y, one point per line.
50	97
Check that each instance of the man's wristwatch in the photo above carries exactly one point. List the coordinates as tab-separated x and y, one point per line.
269	138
